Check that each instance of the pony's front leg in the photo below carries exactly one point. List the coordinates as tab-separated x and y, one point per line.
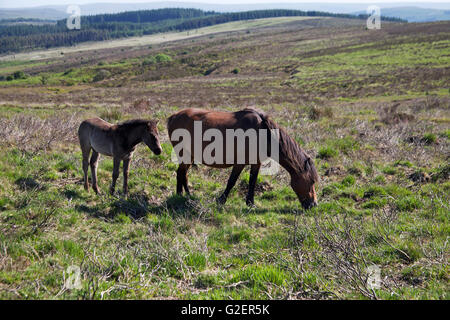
126	167
115	174
254	171
237	169
182	181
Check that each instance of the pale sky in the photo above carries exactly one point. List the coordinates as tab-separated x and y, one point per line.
33	3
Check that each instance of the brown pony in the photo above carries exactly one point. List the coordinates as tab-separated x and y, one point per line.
291	157
118	141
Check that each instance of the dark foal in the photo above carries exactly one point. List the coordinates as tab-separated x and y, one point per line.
115	140
291	157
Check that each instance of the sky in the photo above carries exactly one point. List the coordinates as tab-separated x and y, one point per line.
34	3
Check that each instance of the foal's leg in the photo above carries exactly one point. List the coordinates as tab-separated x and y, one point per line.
94	163
86	153
182	181
126	167
237	169
254	170
115	174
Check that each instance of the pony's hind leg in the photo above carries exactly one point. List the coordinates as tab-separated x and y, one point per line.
182	181
115	175
126	168
237	169
254	171
94	163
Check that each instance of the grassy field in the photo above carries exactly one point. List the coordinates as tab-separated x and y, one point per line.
371	107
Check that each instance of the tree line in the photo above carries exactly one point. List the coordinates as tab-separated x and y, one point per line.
21	37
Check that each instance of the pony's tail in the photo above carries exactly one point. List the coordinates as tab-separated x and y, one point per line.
170	122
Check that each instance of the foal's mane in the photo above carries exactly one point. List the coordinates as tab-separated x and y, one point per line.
128	125
289	149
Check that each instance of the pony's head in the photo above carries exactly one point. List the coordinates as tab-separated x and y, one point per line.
299	165
303	181
150	137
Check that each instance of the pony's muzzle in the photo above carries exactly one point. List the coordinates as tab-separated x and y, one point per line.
308	204
158	151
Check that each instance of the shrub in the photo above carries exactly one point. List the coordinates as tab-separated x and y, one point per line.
161	57
149	61
408	203
19	75
236	70
346	144
429	138
327	153
102	75
111	114
445	134
315	113
389	170
348	181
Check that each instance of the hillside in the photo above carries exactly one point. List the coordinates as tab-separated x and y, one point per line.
371	107
17	38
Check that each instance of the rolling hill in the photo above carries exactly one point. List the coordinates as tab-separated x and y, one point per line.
102	27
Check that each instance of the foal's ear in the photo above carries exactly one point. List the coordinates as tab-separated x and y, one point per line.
153	123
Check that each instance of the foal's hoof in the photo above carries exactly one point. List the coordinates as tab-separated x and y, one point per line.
250	204
222	199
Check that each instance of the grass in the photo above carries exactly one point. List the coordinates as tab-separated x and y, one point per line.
384	174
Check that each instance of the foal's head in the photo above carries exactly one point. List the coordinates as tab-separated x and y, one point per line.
302	182
150	137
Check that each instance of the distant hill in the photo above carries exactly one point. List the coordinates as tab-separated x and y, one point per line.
15	38
415	14
34	13
416	11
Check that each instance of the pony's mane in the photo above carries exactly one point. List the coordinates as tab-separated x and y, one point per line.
289	149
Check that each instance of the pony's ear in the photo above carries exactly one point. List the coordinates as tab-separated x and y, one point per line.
307	164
